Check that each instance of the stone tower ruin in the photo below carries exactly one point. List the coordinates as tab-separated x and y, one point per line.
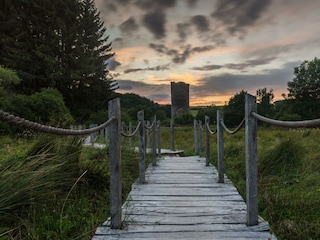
179	98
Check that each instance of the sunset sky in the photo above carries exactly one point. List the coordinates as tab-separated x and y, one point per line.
219	47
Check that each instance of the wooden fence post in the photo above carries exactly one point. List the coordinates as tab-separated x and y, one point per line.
101	135
251	161
154	141
147	131
172	133
115	164
196	145
92	135
142	146
106	131
220	147
207	122
130	132
159	139
200	138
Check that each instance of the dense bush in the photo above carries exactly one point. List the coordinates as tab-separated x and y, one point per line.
45	107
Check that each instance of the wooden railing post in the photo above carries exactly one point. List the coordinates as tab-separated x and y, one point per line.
159	138
147	132
130	132
106	137
200	138
220	147
154	142
115	164
196	147
92	135
123	124
207	122
142	146
251	161
172	133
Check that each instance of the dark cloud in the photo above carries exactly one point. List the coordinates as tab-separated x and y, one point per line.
182	57
233	83
122	2
112	64
203	48
249	63
201	23
159	97
111	7
207	67
157	68
183	30
237	66
155	23
179	56
192	3
152	91
129	25
157	5
236	15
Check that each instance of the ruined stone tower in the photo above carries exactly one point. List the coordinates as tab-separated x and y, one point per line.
179	98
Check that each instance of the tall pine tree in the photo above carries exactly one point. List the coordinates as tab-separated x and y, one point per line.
62	45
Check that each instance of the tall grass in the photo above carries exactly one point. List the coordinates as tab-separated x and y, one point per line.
53	188
289	178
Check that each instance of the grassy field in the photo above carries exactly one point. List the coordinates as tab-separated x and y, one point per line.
53	188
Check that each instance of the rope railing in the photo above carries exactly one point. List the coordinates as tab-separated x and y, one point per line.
292	124
9	118
235	130
251	152
209	130
151	126
133	133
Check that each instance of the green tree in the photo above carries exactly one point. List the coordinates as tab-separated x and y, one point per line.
8	79
304	89
265	100
234	111
210	111
61	45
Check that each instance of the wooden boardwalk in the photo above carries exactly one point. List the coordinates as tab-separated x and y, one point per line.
182	200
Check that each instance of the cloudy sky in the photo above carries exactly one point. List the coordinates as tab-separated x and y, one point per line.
219	47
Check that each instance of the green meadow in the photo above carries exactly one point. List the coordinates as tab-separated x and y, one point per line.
54	188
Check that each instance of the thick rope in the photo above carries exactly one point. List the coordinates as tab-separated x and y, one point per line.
235	130
293	124
200	127
151	126
47	129
209	130
132	134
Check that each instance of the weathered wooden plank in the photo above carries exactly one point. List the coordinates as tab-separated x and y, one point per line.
183	211
190	235
183	192
186	198
181	199
183	185
137	228
186	203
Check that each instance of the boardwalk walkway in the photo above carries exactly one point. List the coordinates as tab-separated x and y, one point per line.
182	200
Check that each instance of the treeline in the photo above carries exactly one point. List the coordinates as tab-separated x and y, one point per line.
301	103
53	54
